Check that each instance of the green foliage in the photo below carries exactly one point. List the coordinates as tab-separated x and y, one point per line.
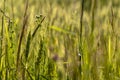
41	63
59	40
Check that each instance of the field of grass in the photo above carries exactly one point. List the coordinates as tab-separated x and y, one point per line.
59	40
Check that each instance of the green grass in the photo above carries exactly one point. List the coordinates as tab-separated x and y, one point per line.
59	40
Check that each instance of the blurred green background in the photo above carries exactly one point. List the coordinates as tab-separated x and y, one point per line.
56	53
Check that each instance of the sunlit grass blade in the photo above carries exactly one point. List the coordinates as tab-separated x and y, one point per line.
58	29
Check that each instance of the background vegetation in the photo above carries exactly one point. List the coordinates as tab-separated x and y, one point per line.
59	40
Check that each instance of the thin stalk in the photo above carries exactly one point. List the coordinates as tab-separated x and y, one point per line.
25	20
4	5
112	18
94	67
109	49
3	21
6	62
6	53
20	40
93	15
81	20
37	27
2	38
12	8
2	30
1	46
80	33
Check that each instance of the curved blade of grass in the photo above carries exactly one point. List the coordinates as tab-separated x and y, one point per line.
61	30
39	25
25	21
